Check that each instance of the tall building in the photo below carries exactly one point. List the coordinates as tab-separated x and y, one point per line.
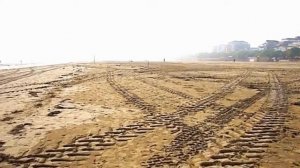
238	46
232	46
220	48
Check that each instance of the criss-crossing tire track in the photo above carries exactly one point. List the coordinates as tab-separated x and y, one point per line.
247	150
131	97
81	148
169	90
193	139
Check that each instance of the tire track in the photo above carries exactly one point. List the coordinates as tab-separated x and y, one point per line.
169	90
10	72
130	97
28	74
81	148
194	139
247	150
14	78
59	82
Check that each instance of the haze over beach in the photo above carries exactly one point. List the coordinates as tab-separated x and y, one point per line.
58	31
149	83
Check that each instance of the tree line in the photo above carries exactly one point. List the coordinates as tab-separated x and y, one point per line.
268	55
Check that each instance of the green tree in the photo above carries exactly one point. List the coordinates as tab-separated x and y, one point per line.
270	54
292	53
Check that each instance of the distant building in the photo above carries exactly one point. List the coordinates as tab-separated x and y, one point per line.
232	46
238	46
252	59
283	45
220	48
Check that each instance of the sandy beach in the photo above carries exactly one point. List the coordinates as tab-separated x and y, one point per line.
109	115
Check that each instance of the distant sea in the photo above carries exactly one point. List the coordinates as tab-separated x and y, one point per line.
15	66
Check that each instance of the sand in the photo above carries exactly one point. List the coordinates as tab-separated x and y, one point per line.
46	108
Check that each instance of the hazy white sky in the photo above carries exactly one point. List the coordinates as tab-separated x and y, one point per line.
76	30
